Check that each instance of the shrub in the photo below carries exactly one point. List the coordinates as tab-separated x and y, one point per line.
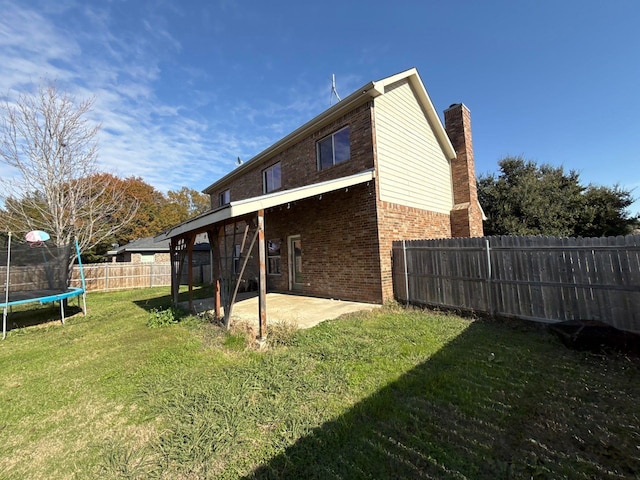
162	318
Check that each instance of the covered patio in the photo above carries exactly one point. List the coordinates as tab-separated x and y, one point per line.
236	233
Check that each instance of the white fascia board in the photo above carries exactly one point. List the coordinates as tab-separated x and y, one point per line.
427	105
381	84
250	205
434	119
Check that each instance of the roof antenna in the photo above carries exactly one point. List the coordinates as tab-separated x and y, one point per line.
238	161
333	89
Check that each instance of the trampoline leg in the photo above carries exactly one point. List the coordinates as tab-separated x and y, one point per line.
62	310
84	302
4	323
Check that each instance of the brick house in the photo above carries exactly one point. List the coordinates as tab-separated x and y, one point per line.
144	250
327	201
147	250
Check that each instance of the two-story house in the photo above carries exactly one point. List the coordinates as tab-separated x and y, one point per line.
326	201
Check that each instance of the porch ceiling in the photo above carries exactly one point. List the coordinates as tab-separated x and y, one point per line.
241	208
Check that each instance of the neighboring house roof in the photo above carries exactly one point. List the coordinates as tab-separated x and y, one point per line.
142	245
359	97
151	245
250	205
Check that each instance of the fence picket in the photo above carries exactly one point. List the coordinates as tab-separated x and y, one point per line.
537	278
123	275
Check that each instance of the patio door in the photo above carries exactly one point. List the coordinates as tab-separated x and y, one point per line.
295	263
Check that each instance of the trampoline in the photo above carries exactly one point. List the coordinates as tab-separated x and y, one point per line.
36	272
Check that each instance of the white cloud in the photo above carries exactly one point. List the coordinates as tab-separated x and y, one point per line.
168	144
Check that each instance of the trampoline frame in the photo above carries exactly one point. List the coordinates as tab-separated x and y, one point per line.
54	296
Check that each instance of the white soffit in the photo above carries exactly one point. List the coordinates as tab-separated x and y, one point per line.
250	205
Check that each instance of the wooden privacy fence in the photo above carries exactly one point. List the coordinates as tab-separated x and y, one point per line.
123	275
533	278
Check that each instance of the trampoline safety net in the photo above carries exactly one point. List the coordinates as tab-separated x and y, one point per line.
34	271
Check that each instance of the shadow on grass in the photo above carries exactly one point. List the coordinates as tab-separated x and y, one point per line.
165	301
36	315
483	407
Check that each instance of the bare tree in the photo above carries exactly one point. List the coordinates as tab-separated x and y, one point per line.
48	141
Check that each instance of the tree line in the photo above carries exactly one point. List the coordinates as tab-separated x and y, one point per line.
525	198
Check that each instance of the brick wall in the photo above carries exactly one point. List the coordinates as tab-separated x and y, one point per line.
339	244
298	162
397	222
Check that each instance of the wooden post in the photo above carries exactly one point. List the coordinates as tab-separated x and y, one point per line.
190	243
220	242
175	283
212	235
489	278
262	297
406	269
217	297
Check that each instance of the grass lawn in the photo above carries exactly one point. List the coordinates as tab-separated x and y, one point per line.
390	394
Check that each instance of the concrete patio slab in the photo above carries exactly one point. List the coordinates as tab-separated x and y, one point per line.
305	312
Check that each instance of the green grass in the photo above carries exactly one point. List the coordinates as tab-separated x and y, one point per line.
390	394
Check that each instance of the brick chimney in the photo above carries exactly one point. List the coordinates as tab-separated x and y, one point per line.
466	215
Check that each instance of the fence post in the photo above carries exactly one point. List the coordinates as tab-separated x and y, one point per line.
406	268
489	277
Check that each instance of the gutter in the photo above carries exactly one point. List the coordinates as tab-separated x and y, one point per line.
360	96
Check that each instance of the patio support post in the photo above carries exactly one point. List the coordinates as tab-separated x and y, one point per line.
219	239
175	283
212	235
216	292
190	243
262	297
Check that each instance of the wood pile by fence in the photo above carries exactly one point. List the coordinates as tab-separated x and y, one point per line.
124	275
534	278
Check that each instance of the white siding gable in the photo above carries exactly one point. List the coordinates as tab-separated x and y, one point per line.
412	167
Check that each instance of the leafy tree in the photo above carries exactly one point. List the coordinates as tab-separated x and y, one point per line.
605	212
188	203
156	212
148	220
527	199
50	146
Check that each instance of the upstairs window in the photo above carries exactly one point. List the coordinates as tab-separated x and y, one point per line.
271	178
225	197
333	149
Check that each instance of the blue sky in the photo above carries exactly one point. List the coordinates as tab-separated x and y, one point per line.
184	88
